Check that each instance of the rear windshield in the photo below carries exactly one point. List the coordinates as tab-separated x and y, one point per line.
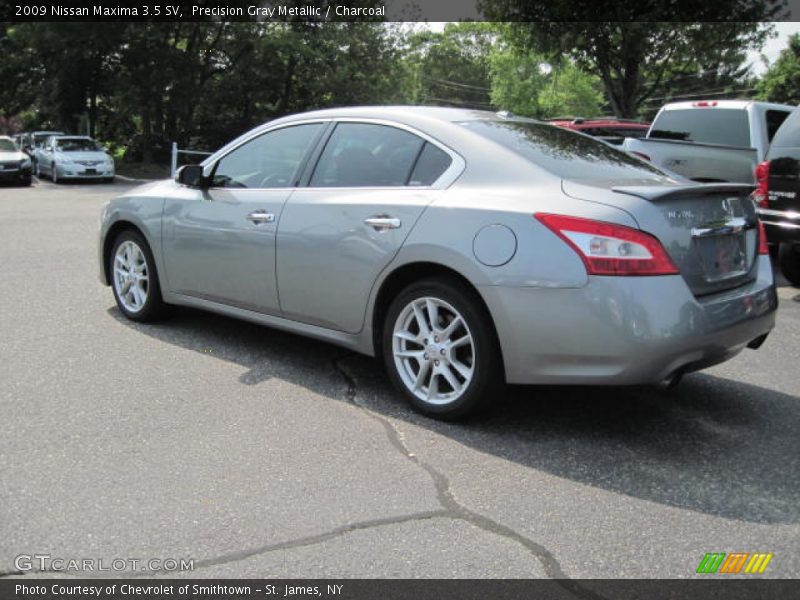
726	126
564	153
788	136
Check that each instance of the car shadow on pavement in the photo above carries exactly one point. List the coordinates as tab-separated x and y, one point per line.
712	445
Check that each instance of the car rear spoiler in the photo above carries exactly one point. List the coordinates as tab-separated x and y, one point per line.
658	193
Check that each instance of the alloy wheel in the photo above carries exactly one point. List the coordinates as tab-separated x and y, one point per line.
131	276
433	349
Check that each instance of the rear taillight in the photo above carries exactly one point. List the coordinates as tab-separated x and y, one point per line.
762	238
761	194
609	249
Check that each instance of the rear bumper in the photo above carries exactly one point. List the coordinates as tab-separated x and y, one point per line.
625	330
781	226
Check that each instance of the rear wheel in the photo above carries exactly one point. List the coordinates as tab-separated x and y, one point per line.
789	261
440	349
134	278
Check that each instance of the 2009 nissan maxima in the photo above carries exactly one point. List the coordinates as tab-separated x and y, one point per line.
466	248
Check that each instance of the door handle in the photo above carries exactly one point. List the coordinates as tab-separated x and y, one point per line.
383	222
261	216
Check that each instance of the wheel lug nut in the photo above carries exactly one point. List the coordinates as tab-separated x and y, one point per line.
436	339
441	351
425	356
436	362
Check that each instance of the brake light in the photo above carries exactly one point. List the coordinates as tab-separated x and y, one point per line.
704	104
609	249
761	194
763	248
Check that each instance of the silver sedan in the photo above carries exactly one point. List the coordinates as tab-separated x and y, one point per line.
465	248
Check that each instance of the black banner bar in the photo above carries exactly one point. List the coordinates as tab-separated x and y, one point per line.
30	588
401	10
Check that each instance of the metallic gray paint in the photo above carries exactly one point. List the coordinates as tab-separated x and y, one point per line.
318	268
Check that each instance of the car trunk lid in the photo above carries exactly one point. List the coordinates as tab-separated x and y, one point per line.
709	231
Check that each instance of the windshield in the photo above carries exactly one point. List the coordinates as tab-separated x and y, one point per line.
565	153
725	126
77	145
41	138
7	146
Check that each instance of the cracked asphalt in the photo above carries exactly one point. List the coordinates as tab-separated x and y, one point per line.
261	454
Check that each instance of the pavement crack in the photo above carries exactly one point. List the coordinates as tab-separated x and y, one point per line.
452	508
316	539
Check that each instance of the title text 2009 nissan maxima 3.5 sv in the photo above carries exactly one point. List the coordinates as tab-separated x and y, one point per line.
466	248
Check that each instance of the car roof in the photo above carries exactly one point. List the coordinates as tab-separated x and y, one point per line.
72	137
400	113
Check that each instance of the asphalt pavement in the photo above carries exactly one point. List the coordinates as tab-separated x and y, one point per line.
256	453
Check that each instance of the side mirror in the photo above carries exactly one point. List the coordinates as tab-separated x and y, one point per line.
191	176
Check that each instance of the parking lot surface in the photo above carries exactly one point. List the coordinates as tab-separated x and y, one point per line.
262	454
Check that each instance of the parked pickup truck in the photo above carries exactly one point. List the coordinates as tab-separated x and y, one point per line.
711	140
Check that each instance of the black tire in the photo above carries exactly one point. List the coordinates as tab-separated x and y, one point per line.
27	181
789	261
108	180
487	378
154	307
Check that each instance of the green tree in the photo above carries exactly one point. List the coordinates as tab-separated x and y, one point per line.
526	84
636	53
781	82
452	67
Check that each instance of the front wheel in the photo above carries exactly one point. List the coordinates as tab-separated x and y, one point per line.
789	261
440	349
134	278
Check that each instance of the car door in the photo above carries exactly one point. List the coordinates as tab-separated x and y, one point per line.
44	156
370	185
219	243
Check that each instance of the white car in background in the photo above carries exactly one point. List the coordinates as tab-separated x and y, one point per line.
74	157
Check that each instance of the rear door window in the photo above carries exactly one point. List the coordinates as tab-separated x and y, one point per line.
788	135
367	155
725	126
775	119
431	164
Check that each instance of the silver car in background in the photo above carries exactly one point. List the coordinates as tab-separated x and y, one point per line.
465	248
74	157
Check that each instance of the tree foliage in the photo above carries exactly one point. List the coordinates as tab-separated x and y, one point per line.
781	82
637	53
198	82
527	85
